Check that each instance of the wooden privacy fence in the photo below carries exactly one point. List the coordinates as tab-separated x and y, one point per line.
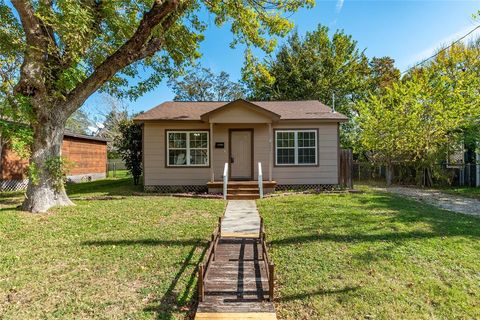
346	168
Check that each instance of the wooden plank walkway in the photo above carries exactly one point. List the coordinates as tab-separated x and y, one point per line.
236	279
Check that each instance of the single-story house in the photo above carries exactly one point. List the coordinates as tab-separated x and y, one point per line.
87	154
186	146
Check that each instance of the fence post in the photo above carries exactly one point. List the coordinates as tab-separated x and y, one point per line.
271	274
200	283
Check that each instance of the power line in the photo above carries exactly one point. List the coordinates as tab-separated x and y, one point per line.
443	49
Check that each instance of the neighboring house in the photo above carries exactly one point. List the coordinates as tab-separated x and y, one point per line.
87	154
187	144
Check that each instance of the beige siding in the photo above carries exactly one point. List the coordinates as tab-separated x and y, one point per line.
327	170
239	113
156	173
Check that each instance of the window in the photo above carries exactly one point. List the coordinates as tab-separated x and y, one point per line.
188	148
296	147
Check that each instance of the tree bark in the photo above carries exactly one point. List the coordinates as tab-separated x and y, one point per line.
44	190
389	174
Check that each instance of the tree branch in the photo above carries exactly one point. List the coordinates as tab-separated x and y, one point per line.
132	50
31	74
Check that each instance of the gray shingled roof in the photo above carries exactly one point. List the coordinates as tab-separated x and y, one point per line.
288	110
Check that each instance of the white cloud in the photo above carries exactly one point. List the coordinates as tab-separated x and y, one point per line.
340	5
428	52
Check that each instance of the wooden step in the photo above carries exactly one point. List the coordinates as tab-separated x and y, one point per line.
252	183
243	190
243	196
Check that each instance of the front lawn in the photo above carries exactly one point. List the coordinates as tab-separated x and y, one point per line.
132	257
116	255
372	256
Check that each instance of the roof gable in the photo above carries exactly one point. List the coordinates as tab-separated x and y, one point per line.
240	111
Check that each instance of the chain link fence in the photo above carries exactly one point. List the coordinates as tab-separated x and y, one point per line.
439	175
115	165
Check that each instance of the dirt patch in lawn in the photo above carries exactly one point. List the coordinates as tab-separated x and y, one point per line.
439	199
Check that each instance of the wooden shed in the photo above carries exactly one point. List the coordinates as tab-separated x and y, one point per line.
88	155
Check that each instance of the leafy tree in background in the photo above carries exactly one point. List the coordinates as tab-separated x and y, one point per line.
313	67
201	84
78	122
129	145
112	112
71	49
383	74
418	118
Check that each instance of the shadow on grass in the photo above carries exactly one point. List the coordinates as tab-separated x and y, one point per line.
306	295
111	187
171	301
144	242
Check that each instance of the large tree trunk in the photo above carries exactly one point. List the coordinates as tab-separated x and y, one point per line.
44	190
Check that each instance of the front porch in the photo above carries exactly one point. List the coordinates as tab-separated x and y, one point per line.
242	190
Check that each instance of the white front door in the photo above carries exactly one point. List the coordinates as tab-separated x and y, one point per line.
241	153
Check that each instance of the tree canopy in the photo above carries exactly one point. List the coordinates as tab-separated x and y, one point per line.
70	49
311	67
432	108
201	84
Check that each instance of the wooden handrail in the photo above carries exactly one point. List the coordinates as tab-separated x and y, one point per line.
209	256
269	266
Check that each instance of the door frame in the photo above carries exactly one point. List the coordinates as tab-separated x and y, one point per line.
230	152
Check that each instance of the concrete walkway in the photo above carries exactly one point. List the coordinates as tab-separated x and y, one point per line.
241	219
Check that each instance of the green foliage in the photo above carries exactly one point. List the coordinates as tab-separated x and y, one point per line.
33	173
86	33
314	67
78	122
58	168
201	84
383	74
129	145
432	108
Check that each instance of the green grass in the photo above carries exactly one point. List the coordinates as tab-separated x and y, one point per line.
372	256
352	256
470	192
134	257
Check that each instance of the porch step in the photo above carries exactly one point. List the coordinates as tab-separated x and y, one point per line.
243	196
242	184
243	190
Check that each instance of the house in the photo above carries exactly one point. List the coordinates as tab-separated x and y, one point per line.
187	144
87	154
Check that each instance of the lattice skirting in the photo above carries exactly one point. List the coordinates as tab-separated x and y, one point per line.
13	185
177	189
307	187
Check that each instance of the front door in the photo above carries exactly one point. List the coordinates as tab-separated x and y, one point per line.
241	153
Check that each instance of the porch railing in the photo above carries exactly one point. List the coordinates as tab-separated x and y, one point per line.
260	179
225	180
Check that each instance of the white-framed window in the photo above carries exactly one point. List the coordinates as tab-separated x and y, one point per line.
296	147
188	148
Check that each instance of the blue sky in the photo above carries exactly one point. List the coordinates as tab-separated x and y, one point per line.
407	31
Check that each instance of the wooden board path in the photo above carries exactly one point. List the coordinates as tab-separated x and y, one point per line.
236	284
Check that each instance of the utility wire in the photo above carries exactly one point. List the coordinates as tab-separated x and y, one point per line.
443	49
